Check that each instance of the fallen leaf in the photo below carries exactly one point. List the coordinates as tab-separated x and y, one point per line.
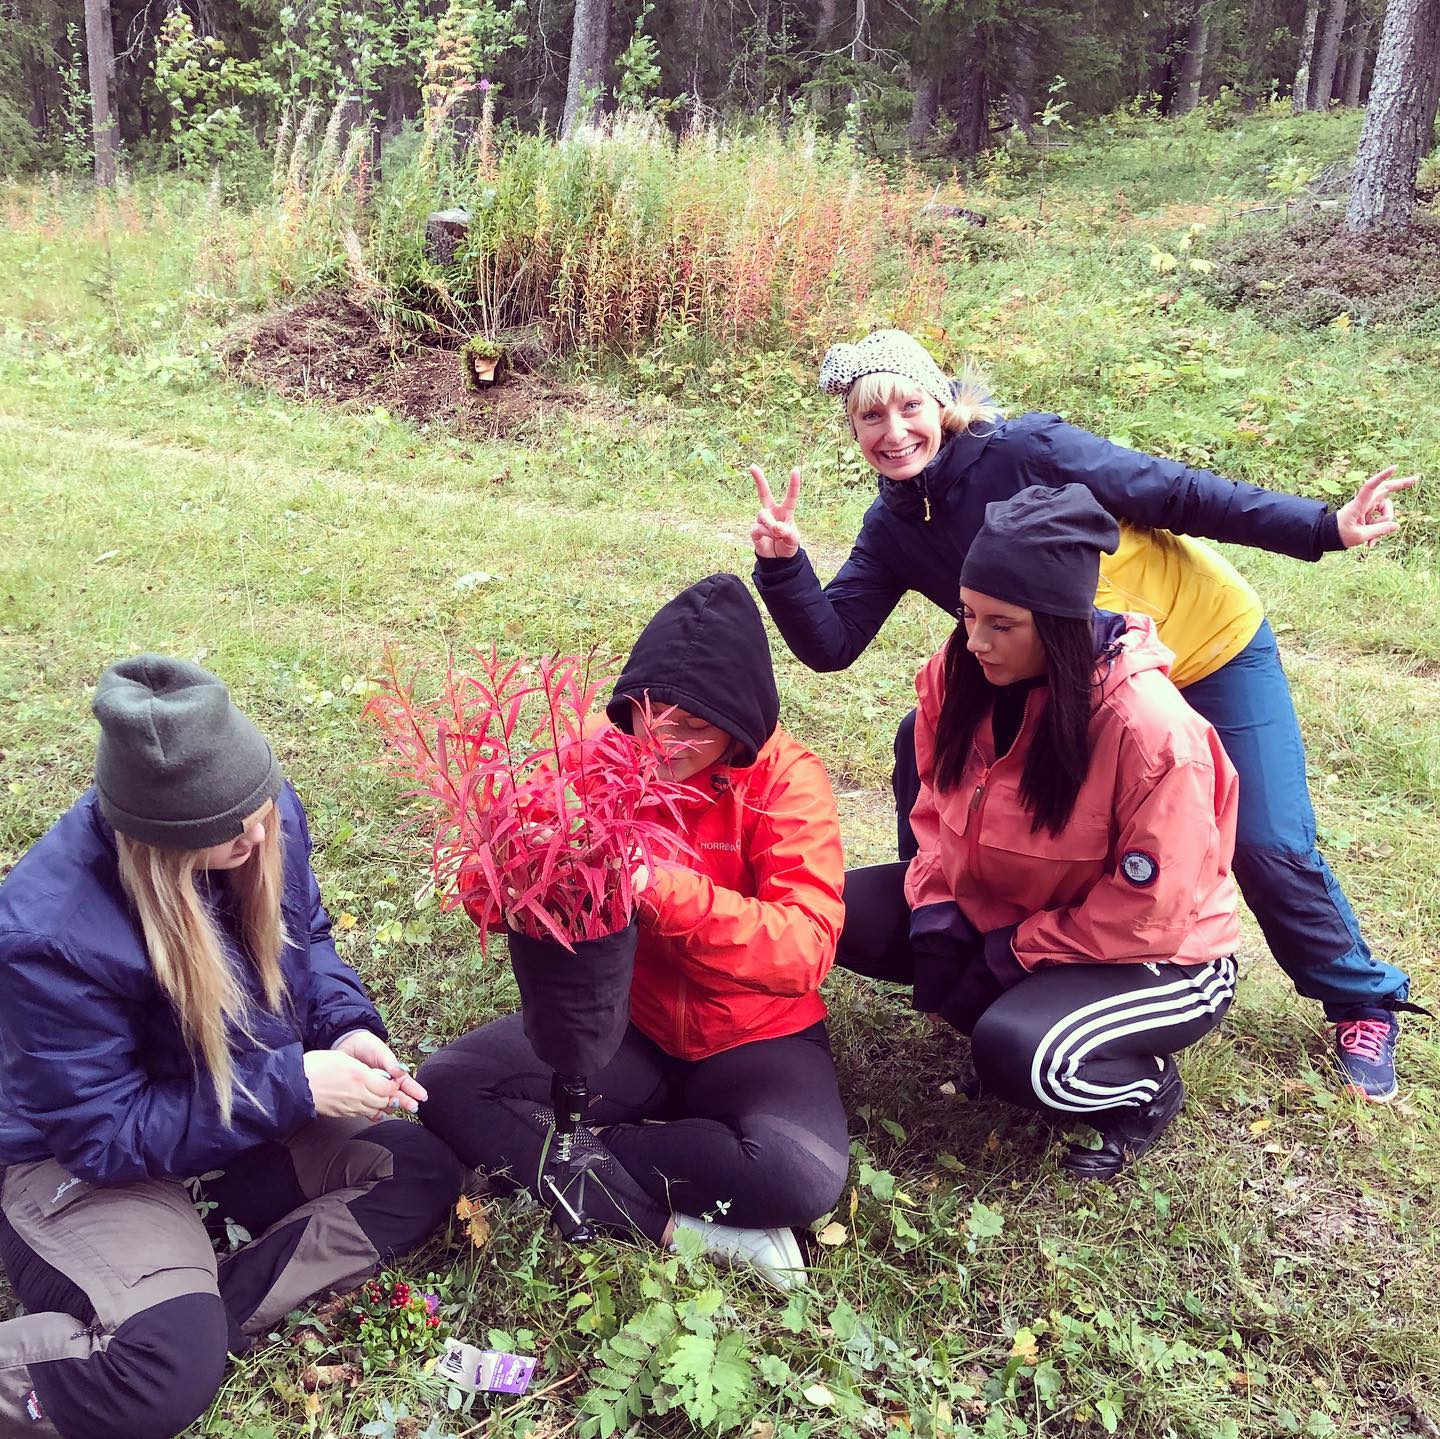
819	1396
833	1233
471	1214
327	1376
345	920
1026	1347
1260	1126
471	581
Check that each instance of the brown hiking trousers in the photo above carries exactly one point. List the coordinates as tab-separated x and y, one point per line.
364	1192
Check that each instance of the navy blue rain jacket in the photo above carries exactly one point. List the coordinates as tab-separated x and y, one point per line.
916	534
94	1071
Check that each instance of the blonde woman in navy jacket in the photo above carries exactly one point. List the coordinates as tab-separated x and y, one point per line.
172	1008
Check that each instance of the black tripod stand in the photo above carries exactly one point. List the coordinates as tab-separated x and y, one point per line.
562	1180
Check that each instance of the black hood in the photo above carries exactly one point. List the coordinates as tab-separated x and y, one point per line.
707	652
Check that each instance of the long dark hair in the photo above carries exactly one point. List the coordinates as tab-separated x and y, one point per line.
1059	758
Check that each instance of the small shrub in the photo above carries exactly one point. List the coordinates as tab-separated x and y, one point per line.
1308	274
539	819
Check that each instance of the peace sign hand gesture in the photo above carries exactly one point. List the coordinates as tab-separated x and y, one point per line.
774	533
1370	516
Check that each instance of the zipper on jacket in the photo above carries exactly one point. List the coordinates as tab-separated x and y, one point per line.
926	498
972	827
977	800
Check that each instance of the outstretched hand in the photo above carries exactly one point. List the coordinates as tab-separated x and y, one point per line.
774	533
1370	516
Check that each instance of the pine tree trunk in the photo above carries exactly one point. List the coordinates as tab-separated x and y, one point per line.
1323	82
1359	55
587	63
1020	82
924	109
1300	95
824	43
1192	66
1398	121
100	51
859	43
972	104
825	26
1430	104
1214	51
755	80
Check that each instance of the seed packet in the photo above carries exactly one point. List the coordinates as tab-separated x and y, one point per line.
485	1370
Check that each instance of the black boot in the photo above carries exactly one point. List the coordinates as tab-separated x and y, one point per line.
1126	1136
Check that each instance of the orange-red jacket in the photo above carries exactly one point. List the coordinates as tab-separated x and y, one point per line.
735	940
1140	873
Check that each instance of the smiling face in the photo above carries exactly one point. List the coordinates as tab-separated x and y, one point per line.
236	852
898	428
698	743
1003	638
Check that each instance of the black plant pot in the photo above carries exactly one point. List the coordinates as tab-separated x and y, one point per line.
575	1005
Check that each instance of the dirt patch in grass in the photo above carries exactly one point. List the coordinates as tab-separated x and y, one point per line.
1307	274
331	349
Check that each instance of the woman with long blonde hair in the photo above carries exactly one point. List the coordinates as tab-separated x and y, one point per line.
174	1017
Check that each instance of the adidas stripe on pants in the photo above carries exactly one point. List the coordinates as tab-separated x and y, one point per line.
1070	1039
1085	1038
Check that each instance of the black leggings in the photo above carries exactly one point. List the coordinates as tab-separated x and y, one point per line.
1075	1039
753	1136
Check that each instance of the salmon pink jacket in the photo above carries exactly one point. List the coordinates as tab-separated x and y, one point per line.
1140	873
735	941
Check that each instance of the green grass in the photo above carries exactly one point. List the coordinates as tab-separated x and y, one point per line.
1267	1271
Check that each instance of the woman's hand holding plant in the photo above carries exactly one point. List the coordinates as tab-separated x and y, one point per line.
774	533
370	1049
342	1087
1370	516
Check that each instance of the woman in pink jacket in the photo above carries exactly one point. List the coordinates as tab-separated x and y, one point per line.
1071	906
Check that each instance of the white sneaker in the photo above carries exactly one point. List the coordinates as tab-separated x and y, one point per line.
771	1253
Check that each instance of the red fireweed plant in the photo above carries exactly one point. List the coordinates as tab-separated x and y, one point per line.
539	815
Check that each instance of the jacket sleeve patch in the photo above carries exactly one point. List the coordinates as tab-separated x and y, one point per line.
1139	868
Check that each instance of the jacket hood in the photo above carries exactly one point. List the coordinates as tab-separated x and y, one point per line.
707	652
1130	645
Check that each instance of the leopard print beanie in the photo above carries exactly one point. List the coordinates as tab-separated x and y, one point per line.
883	352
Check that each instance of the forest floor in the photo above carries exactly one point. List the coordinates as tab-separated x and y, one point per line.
279	502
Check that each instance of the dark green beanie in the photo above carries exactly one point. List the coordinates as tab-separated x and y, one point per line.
178	765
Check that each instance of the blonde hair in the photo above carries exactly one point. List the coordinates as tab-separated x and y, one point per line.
187	954
971	404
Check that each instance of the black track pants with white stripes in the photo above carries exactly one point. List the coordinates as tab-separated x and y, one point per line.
1072	1039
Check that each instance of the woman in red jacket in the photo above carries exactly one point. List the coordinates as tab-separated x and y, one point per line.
722	1102
1071	906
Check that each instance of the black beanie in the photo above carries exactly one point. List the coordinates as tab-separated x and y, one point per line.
178	765
707	652
1041	549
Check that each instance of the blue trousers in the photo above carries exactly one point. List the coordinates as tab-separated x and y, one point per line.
1302	911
